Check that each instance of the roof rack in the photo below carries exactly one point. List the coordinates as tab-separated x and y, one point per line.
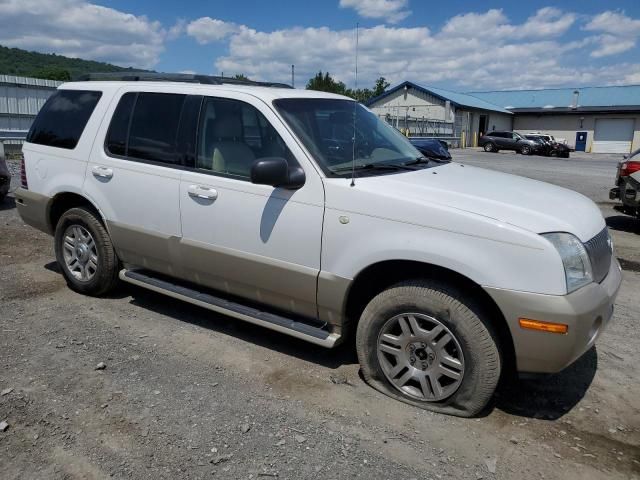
173	77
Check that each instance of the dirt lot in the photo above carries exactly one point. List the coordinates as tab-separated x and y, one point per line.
190	394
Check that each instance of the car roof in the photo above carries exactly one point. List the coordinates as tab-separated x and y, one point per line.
262	92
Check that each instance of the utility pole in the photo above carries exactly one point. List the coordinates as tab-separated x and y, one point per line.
293	76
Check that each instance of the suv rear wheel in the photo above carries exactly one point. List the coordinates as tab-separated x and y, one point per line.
489	147
426	344
85	253
525	150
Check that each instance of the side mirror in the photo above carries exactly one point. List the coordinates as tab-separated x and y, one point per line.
275	171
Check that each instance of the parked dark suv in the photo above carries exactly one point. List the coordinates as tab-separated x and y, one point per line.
494	141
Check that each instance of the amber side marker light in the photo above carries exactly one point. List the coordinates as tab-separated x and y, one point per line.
543	326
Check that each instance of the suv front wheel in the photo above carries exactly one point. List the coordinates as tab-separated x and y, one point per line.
85	253
426	344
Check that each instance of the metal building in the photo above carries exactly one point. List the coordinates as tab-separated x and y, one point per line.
20	100
593	119
438	113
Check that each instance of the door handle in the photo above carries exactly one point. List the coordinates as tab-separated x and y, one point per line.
200	191
102	172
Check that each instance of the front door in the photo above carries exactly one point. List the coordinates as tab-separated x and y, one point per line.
252	241
581	141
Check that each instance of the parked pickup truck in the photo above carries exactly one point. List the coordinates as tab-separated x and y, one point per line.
304	213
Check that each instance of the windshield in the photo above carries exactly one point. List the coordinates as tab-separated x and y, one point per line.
326	128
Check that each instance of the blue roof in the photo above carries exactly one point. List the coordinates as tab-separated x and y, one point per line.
615	96
458	99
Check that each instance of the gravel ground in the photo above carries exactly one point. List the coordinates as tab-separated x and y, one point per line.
185	393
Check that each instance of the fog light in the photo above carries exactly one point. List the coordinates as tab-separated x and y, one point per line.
549	327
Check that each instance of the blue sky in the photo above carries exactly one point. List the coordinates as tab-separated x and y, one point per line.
461	45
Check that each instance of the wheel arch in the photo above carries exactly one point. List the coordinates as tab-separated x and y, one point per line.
64	201
377	277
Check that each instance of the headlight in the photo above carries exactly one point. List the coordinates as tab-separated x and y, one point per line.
577	265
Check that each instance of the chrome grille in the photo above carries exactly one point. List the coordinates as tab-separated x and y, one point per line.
600	252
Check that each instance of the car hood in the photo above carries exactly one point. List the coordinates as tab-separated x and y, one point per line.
528	204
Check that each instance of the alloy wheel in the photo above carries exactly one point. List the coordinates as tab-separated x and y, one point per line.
420	356
80	253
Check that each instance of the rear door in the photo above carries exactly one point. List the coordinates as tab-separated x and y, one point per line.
253	241
499	139
134	177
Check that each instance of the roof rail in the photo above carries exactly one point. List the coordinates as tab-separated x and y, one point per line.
173	77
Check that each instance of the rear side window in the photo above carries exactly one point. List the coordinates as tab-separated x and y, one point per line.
63	117
145	126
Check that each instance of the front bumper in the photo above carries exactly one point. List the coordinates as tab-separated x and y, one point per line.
586	311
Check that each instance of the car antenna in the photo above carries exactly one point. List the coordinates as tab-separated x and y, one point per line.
355	114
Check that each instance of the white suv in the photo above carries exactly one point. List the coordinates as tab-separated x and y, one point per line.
302	212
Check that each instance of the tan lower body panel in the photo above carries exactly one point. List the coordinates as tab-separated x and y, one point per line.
34	209
278	284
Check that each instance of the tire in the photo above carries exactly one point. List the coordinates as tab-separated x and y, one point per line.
525	150
478	357
489	147
80	234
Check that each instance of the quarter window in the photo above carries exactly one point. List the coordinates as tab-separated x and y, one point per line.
232	135
63	118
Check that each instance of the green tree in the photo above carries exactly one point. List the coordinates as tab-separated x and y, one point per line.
240	76
325	83
380	86
53	73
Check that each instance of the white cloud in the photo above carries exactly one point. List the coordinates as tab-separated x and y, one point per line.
615	23
612	45
545	23
475	50
393	11
207	30
618	33
177	29
77	28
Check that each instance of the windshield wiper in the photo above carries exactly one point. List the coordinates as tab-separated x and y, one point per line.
420	160
374	166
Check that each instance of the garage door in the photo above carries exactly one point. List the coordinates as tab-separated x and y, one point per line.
613	135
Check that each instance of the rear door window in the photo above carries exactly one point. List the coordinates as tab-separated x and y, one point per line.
63	118
145	127
154	127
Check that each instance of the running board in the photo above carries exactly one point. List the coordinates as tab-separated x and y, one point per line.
288	326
